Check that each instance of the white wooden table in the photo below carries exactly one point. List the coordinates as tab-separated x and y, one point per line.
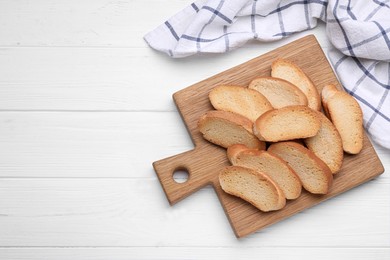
86	107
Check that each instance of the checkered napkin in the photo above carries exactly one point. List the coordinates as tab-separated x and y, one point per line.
358	30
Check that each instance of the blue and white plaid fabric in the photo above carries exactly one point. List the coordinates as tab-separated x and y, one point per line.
358	30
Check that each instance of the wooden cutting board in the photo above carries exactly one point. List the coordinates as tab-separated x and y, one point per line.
206	160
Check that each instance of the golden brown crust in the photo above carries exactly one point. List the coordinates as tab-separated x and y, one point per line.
279	92
231	117
241	100
327	144
233	151
327	92
287	123
291	72
271	165
252	186
346	115
216	126
315	175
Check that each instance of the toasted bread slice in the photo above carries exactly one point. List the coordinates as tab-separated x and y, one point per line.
226	128
315	175
269	164
327	144
279	92
233	151
345	113
289	71
241	100
326	94
253	187
287	123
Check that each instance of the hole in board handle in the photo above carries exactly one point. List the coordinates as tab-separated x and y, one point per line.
180	175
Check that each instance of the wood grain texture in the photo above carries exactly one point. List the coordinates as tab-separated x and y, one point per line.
205	161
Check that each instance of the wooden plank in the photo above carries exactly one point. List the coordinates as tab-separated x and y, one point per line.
84	79
115	75
200	253
94	144
206	160
86	23
129	218
134	212
108	23
102	79
98	144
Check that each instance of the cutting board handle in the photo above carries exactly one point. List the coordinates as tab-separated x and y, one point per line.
198	174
